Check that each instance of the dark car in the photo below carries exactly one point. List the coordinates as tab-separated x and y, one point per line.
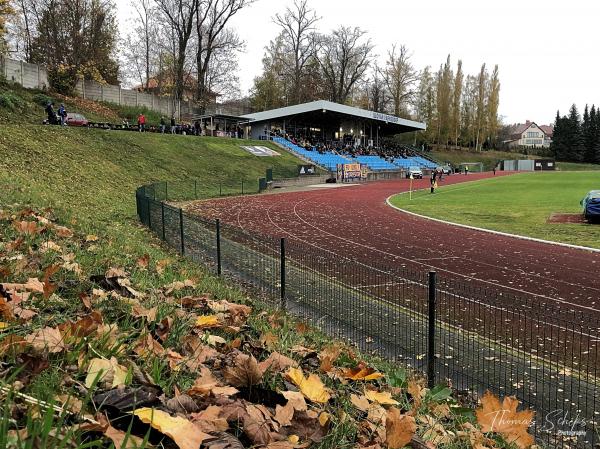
74	119
591	205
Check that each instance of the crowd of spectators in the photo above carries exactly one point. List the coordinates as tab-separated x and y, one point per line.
388	151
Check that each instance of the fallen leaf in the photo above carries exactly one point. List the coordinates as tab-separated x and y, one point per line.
62	231
417	392
143	261
284	415
115	273
324	418
50	246
503	417
148	345
83	327
269	340
328	356
46	339
32	285
26	227
361	372
91	238
182	403
296	399
243	371
207	321
139	311
161	265
276	362
209	420
258	424
400	429
207	384
108	372
182	431
310	386
383	397
360	402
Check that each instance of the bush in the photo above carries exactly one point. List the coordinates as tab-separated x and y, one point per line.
10	101
42	99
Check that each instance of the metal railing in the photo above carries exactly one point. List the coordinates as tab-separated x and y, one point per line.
451	331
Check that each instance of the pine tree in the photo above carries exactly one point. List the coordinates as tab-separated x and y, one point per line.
558	147
590	136
576	145
596	135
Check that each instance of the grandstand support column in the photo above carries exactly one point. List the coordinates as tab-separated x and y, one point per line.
431	330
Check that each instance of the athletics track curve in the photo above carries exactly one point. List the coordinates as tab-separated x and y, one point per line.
356	222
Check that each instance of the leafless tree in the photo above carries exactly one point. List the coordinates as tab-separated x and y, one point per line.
213	36
180	15
297	31
344	57
400	78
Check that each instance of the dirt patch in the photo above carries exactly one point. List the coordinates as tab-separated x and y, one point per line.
565	218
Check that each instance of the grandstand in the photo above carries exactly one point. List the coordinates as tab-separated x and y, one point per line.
328	134
329	160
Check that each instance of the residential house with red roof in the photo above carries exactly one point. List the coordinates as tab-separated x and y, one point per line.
530	135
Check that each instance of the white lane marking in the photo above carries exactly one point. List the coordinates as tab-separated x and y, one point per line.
562	301
452	294
490	231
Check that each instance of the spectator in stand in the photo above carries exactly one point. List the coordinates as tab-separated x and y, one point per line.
141	122
173	126
197	128
62	114
163	125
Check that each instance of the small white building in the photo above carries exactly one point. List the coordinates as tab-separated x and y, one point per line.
530	135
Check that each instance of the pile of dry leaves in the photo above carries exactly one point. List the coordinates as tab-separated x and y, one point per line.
166	365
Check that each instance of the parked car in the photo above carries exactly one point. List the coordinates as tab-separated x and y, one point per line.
74	119
415	172
445	169
591	205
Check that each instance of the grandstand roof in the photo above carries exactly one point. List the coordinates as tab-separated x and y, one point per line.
323	110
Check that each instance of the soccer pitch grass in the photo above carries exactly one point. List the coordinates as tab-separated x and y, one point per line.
518	204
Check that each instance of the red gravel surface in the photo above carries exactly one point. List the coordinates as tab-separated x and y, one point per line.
355	221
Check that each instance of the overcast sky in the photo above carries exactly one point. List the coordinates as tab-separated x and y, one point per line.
547	51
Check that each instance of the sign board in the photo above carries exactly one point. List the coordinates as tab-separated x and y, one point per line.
351	171
260	151
306	170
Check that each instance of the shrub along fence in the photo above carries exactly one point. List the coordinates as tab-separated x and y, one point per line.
452	332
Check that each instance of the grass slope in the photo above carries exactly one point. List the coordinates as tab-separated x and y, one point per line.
518	204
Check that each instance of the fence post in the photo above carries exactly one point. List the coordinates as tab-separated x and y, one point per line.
162	213
282	275
220	189
431	331
218	226
166	191
148	212
181	231
242	186
195	189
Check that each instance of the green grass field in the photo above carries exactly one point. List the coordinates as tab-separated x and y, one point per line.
517	204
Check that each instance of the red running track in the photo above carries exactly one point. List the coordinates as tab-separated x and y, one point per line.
355	221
